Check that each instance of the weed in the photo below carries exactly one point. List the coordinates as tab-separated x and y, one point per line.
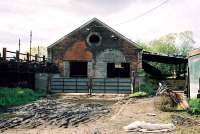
18	96
138	94
194	107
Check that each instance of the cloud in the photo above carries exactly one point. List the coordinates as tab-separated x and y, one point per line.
51	19
99	7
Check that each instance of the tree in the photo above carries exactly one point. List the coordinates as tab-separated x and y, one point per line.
186	42
171	44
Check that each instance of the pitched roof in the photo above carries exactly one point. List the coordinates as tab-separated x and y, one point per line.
103	24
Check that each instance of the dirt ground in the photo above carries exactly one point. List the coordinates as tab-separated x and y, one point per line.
123	112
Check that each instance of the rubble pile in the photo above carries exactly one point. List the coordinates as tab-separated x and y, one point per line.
51	112
185	121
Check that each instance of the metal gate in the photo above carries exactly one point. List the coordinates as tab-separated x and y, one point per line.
97	85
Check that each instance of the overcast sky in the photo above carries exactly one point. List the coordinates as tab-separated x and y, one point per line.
51	19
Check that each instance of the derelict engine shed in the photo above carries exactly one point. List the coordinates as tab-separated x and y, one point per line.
95	50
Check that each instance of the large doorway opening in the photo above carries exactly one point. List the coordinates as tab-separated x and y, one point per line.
78	69
118	70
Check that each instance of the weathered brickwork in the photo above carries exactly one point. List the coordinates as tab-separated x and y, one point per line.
112	48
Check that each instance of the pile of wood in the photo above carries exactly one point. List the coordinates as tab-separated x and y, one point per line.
51	112
177	98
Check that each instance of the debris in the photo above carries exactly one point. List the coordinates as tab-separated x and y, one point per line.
177	98
52	112
151	114
141	126
186	121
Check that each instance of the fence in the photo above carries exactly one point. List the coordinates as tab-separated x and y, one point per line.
97	85
16	72
17	54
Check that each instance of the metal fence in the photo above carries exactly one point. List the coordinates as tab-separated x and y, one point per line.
97	85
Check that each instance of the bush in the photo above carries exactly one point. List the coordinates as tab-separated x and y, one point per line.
18	96
138	94
147	87
194	107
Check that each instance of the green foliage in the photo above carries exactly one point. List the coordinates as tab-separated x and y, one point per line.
18	96
186	42
163	46
148	88
194	107
138	94
171	44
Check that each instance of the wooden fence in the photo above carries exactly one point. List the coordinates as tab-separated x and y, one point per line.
93	85
17	55
16	72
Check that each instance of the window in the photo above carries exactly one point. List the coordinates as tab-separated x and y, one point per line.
78	69
94	39
118	70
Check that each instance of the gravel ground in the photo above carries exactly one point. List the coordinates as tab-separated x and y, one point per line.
105	115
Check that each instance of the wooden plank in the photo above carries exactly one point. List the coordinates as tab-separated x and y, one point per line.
70	87
111	84
82	84
56	87
98	87
82	87
56	91
82	80
124	88
111	80
125	80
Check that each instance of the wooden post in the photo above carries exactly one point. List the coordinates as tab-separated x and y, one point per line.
19	44
104	85
4	53
118	85
133	82
17	55
36	57
198	94
30	42
38	51
63	84
27	56
43	58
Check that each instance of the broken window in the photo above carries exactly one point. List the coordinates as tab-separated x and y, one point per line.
94	39
78	69
121	70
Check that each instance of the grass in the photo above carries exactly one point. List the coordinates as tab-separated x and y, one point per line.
194	107
18	96
138	94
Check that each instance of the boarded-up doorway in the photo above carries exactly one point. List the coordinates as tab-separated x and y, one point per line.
121	70
78	69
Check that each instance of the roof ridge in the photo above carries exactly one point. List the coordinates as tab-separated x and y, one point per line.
102	23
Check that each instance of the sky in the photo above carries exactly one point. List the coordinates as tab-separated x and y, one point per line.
50	20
